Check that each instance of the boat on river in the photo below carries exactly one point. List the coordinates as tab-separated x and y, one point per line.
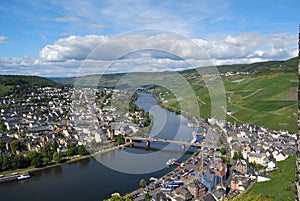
16	176
170	161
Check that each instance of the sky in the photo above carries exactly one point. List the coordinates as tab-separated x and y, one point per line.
56	38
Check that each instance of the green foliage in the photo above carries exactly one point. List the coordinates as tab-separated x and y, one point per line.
2	145
120	140
82	150
220	140
115	197
47	155
12	162
147	120
129	197
147	197
56	157
20	84
72	150
142	183
223	151
237	155
36	159
14	146
3	128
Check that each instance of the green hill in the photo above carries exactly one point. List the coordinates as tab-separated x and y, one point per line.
23	84
280	187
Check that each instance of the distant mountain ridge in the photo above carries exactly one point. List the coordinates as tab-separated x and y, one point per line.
268	67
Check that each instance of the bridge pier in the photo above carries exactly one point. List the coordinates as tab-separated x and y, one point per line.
148	144
131	143
183	147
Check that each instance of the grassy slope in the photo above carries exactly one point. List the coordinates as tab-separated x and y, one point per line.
266	100
280	187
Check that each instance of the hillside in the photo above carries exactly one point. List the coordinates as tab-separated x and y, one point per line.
267	96
280	187
21	83
268	67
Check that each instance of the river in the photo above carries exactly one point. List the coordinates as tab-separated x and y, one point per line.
92	180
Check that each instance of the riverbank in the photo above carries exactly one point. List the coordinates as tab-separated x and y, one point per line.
163	177
73	159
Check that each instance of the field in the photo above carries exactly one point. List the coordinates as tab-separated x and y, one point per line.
265	100
280	187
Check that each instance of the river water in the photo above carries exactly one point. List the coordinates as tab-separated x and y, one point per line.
117	171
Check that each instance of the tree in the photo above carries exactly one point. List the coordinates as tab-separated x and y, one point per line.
2	145
116	198
48	151
35	158
14	146
56	157
120	140
46	160
237	155
82	151
37	161
223	151
147	197
129	197
143	183
72	149
220	140
18	161
147	121
3	127
5	162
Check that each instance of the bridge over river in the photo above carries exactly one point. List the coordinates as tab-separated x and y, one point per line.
149	140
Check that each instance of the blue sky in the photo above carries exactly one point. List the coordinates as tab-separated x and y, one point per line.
47	37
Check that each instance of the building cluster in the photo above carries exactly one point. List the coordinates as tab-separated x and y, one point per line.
37	118
256	150
253	152
192	180
64	116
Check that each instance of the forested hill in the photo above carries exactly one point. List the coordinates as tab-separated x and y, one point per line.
268	67
23	84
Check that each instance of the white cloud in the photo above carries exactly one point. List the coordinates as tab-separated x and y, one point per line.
246	45
97	26
251	45
2	39
141	52
67	19
73	47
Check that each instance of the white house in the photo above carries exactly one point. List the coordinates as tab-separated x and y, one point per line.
271	166
280	157
262	179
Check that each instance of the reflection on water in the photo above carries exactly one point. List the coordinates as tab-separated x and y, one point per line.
58	169
84	163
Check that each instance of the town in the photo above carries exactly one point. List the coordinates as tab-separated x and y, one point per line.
51	125
248	154
43	127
